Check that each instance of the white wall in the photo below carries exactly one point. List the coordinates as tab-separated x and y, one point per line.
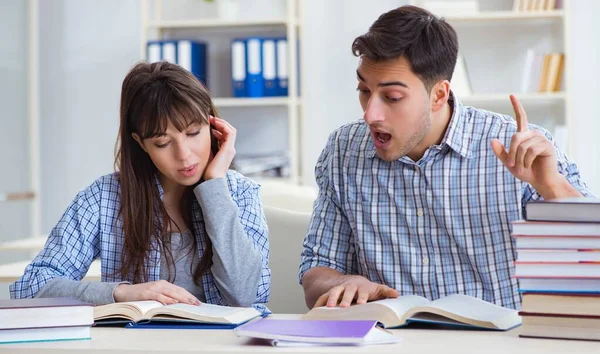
586	88
86	48
14	140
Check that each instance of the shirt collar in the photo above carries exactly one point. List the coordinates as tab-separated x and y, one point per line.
458	133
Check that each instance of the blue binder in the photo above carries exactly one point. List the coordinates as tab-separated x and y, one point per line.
282	67
254	75
153	51
191	55
238	68
169	51
269	66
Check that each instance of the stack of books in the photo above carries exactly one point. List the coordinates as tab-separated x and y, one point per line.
558	267
42	320
542	72
534	5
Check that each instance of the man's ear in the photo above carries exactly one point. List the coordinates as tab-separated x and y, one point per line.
440	93
139	141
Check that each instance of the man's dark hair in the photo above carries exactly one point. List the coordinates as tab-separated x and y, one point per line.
429	43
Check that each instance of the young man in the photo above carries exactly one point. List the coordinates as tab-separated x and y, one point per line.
418	198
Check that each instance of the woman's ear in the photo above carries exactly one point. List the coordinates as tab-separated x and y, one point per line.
139	141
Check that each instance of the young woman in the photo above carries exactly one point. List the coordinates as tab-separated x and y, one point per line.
173	224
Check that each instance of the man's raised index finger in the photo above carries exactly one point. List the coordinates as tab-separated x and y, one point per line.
520	115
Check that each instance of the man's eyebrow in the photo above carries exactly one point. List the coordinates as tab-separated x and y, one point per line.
382	84
360	77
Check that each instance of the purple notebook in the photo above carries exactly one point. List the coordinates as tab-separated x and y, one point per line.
309	328
313	332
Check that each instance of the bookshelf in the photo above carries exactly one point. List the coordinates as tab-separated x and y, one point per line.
525	98
214	23
494	40
512	16
198	20
255	102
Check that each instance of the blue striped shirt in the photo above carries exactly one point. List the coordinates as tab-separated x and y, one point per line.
434	227
91	228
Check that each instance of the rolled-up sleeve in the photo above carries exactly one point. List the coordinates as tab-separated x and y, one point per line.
71	247
565	167
329	239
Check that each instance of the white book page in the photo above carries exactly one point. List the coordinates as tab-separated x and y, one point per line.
134	310
144	306
206	310
470	307
402	304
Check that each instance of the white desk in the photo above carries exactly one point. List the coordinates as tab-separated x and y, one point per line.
421	341
12	271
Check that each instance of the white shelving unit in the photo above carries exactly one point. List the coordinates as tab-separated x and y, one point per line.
525	98
493	43
485	16
156	26
214	23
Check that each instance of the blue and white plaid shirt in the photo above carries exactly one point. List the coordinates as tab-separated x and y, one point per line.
434	227
91	228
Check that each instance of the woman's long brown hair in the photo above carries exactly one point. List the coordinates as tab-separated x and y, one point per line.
152	96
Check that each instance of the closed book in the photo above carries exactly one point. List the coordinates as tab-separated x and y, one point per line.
560	285
44	312
550	5
297	332
566	209
557	242
49	334
558	255
562	304
558	269
543	79
555	67
541	228
560	327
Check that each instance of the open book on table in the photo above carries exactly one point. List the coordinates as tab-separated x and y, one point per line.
155	312
457	310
